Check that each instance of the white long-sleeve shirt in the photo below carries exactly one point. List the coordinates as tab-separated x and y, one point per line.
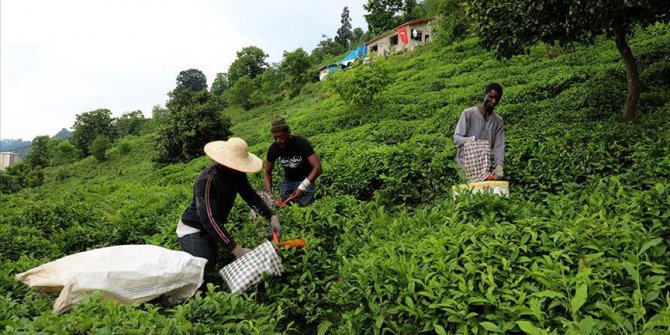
472	123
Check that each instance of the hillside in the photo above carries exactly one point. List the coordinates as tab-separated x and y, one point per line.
580	246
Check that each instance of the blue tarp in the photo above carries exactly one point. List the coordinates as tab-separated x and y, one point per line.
359	52
328	70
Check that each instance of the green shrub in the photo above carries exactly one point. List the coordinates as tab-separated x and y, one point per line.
99	148
361	86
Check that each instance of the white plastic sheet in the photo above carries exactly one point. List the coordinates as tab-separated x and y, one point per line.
127	274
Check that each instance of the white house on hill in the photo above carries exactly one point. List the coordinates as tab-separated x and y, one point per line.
8	158
404	37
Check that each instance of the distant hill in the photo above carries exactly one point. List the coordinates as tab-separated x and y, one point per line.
22	147
19	146
62	134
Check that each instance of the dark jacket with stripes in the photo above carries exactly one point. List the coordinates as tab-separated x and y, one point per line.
214	194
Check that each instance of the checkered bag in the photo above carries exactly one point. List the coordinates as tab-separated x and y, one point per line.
249	269
477	160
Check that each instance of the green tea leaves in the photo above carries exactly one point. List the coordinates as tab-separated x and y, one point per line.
649	245
530	329
578	300
490	326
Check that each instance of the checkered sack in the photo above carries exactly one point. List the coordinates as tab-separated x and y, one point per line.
249	269
477	160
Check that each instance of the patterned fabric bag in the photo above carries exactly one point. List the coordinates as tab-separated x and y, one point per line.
249	269
477	160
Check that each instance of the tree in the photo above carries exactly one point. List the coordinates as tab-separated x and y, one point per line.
186	130
360	36
191	79
39	154
452	20
242	91
220	84
295	71
412	10
129	123
219	90
327	47
270	86
14	178
383	15
250	62
9	183
90	125
99	148
35	177
189	84
64	152
344	34
192	119
509	27
159	113
179	98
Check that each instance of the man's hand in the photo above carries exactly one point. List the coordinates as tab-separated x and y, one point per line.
470	139
498	172
239	251
275	227
297	194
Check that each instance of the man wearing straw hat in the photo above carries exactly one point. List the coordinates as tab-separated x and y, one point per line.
301	164
201	226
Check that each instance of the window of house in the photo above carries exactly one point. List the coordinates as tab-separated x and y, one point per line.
394	39
416	34
374	48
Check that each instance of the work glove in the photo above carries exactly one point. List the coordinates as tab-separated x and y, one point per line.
498	172
274	227
239	251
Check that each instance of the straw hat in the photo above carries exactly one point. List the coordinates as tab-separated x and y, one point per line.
234	154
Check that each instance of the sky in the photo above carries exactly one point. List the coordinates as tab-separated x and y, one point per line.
66	57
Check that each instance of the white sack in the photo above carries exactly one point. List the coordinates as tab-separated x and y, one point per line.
127	274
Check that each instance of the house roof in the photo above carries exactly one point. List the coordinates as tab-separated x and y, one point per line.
327	66
386	33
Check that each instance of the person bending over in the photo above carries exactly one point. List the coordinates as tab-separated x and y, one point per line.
201	228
